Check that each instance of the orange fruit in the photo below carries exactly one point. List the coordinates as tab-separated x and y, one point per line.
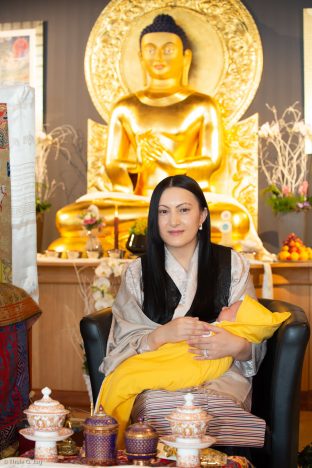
294	256
283	256
285	248
304	256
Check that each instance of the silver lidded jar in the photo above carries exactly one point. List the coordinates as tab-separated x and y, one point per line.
100	435
189	422
46	416
141	441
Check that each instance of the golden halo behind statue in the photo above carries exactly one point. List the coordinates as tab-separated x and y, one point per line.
226	46
205	42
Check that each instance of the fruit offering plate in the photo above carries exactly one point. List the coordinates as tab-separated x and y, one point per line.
294	250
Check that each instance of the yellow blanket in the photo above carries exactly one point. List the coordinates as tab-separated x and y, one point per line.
173	367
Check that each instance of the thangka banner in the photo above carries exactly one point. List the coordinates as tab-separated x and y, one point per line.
19	182
5	200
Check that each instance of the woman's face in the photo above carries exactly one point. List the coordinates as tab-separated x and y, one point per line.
179	217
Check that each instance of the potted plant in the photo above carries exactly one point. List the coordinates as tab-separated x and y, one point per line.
284	162
55	143
136	242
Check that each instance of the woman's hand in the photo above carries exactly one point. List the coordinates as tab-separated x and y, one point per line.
219	344
179	329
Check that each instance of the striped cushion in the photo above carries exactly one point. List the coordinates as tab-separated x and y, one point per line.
231	424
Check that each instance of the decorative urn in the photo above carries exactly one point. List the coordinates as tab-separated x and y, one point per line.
188	425
100	434
189	421
141	442
46	416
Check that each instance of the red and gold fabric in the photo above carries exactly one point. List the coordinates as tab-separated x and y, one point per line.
5	199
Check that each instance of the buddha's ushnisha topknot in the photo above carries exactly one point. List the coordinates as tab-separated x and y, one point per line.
165	23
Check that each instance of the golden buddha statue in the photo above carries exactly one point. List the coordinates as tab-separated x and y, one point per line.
171	128
165	129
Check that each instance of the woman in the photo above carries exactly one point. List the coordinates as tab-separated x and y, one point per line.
172	293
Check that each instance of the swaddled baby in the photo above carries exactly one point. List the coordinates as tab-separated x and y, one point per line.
173	366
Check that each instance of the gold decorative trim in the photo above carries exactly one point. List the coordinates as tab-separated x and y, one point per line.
141	454
97	179
140	436
102	429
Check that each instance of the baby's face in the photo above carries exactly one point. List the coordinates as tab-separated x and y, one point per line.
229	313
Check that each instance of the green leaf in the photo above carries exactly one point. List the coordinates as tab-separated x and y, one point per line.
42	206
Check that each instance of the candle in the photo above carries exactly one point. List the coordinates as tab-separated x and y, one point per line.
116	222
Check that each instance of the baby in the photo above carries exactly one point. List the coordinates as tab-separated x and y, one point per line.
229	313
161	369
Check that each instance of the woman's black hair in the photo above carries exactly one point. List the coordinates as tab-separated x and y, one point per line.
165	23
155	279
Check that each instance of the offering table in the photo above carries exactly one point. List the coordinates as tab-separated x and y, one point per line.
56	354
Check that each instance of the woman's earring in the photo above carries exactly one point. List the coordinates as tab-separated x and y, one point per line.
200	227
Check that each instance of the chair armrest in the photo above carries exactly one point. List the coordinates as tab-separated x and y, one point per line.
94	329
276	387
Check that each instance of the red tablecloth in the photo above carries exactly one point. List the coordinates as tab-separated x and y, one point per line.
232	461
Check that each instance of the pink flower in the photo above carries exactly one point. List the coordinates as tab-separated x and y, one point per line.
303	189
89	221
285	190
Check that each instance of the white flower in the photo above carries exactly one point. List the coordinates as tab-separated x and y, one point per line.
101	287
282	155
103	269
264	130
97	295
300	127
94	211
274	130
102	283
103	302
117	268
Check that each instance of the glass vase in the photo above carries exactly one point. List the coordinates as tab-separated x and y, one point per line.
93	245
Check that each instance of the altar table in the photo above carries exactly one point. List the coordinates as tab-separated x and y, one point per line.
56	353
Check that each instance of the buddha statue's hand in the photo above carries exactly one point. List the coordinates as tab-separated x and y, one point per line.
150	149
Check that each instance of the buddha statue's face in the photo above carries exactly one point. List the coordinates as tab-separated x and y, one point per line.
162	55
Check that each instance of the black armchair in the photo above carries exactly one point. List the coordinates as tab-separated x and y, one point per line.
276	387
